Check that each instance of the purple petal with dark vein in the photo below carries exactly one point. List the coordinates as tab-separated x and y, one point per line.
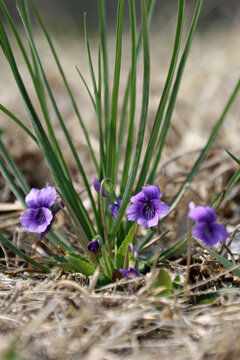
211	233
36	220
140	197
153	221
44	233
151	192
161	207
46	196
135	210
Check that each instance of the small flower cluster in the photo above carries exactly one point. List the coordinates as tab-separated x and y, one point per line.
207	229
146	209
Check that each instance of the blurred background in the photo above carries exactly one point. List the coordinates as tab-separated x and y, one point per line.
62	14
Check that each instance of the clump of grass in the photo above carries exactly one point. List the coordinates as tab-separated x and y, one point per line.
109	242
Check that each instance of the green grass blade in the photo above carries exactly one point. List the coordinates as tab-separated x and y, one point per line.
223	194
129	145
103	34
163	100
102	166
233	157
88	90
111	152
37	84
99	73
142	124
11	183
18	122
122	128
13	248
173	96
16	172
25	10
56	58
62	124
64	184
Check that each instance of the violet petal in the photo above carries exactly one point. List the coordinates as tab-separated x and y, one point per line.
151	192
36	220
93	246
115	207
202	214
31	198
130	273
46	196
161	207
134	211
210	233
97	186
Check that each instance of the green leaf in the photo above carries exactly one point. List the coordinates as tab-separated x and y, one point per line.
103	280
177	283
162	286
80	263
120	256
205	299
18	252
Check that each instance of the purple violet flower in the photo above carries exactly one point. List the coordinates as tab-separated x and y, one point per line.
113	207
207	229
147	208
38	218
93	246
130	273
97	186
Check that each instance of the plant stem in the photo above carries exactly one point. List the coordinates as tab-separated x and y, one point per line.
188	256
103	218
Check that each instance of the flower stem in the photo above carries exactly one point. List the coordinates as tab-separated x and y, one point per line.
188	256
103	218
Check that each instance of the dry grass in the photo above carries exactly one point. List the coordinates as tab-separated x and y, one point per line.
48	319
62	317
